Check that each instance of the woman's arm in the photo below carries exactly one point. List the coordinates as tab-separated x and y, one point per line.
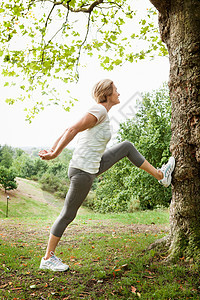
57	141
88	121
54	146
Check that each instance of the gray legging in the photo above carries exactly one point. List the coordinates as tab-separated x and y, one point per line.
81	182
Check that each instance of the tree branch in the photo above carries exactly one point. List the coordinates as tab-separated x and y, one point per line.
46	23
82	9
79	54
49	16
161	5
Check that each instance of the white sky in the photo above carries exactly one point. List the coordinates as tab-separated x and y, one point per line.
49	124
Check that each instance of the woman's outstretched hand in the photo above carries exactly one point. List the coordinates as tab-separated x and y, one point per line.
46	155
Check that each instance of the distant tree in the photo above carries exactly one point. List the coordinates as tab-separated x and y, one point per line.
23	166
18	152
40	167
7	179
6	156
66	156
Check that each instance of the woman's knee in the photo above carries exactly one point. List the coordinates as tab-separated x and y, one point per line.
66	219
128	145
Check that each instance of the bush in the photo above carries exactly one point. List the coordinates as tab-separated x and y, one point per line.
55	185
90	200
134	204
119	203
24	166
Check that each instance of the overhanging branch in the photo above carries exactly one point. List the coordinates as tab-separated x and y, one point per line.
79	54
81	9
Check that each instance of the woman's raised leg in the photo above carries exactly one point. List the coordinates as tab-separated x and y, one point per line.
119	151
146	166
127	149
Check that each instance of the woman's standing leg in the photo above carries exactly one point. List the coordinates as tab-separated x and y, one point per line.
52	244
80	184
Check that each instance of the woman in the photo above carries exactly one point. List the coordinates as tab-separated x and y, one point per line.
89	160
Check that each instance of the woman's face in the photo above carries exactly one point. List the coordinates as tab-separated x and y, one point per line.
114	98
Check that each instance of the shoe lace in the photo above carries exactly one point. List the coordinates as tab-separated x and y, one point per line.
163	170
57	261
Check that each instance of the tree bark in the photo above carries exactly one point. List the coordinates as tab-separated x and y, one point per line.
161	5
180	29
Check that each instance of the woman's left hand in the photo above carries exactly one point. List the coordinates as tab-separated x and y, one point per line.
46	155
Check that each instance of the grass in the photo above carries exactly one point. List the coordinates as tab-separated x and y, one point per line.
157	216
105	253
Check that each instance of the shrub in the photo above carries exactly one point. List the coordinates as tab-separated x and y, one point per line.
90	200
55	185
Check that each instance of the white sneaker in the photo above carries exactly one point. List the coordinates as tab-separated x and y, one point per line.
53	263
167	172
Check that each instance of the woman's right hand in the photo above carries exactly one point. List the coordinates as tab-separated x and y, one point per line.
46	155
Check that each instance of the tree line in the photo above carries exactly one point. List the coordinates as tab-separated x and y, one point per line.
121	188
15	162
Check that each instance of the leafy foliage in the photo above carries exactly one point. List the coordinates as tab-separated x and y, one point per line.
44	42
6	156
126	188
53	184
55	178
28	167
7	179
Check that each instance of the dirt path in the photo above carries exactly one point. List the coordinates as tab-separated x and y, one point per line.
31	189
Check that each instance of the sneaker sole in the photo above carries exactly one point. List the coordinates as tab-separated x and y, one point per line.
172	161
172	166
63	270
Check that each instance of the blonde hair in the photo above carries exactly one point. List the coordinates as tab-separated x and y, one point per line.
102	90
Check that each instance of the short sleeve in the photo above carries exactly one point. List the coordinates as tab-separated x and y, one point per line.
99	111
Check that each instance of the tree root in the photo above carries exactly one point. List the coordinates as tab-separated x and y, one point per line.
164	245
160	244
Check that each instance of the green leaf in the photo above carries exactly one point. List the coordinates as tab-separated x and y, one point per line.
118	61
106	60
10	101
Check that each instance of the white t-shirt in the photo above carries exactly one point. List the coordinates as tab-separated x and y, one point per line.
92	142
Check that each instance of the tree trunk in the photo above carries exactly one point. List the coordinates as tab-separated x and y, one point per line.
180	30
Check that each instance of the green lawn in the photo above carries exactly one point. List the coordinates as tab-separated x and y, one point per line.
105	253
